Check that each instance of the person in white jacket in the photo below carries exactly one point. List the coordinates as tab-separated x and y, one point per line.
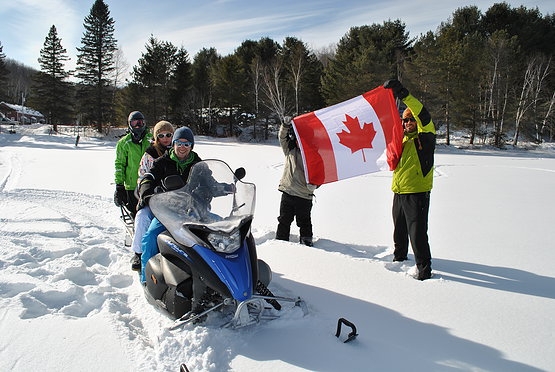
297	194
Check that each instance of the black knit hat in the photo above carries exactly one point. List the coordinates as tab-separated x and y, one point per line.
184	133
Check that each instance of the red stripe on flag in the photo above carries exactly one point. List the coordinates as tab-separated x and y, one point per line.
317	148
382	101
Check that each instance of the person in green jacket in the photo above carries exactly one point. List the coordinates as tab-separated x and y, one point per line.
129	151
412	182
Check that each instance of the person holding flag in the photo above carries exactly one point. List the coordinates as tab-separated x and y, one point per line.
412	182
296	197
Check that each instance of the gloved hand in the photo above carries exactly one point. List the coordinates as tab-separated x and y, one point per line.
120	196
142	203
398	90
229	188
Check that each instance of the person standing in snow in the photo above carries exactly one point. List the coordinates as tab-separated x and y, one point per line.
296	193
412	182
129	151
163	133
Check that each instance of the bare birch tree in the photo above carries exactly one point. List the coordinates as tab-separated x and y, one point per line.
500	50
274	89
547	116
534	76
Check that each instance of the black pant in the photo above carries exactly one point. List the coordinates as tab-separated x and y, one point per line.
410	220
132	202
292	207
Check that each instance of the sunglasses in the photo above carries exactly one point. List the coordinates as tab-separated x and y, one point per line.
162	135
406	120
182	144
137	123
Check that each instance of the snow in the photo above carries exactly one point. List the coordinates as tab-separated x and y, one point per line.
69	301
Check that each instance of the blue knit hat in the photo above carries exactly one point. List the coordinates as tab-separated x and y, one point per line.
184	133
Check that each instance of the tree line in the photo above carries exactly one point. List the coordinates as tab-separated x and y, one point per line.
489	74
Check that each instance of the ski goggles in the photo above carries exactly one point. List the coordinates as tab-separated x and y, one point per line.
137	123
182	144
162	135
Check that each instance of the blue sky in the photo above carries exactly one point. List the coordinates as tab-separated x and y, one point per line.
222	24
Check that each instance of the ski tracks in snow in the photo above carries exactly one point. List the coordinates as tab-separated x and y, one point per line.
66	251
60	247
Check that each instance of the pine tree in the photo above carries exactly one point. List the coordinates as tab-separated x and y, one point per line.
153	74
95	64
52	93
3	72
366	56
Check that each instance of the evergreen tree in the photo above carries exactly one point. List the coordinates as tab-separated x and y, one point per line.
3	73
203	62
461	56
227	75
51	95
249	53
366	56
154	73
180	91
95	64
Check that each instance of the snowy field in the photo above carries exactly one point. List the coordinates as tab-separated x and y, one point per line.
69	301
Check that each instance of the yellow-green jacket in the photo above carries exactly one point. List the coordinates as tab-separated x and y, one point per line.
128	158
415	170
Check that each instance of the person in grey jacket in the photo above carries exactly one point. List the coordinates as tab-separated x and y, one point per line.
296	197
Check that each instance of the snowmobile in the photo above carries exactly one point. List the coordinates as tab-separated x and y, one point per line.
207	260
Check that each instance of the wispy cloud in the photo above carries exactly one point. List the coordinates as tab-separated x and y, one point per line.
28	24
222	24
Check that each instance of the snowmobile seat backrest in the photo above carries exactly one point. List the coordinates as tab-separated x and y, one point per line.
173	275
173	182
165	243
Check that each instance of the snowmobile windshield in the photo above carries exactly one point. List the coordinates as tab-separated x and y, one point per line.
213	199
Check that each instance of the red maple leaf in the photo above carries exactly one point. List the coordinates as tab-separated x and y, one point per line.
358	138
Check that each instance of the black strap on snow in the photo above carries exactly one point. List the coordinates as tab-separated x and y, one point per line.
351	335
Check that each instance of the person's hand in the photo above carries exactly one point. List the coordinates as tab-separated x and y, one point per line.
120	196
229	188
398	90
142	203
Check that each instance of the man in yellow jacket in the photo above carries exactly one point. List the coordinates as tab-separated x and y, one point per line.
413	181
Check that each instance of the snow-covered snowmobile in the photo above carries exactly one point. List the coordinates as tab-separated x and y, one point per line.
207	258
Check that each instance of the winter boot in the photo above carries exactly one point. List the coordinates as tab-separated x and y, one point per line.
136	262
306	240
424	271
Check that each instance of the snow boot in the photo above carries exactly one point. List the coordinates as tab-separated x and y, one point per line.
306	240
136	262
424	271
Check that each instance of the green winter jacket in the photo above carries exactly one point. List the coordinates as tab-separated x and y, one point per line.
415	172
128	158
293	181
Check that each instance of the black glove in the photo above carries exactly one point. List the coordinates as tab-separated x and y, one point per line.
120	196
398	90
142	203
229	188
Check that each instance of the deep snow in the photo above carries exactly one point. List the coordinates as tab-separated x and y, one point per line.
69	301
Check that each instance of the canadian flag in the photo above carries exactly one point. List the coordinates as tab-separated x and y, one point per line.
354	137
